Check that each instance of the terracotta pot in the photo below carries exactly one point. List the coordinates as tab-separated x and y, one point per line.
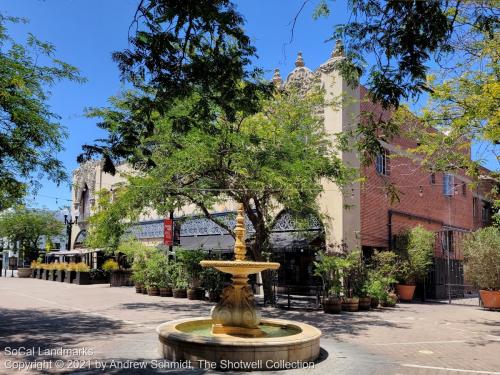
332	305
179	293
166	292
195	293
153	291
374	302
405	292
365	303
490	298
350	304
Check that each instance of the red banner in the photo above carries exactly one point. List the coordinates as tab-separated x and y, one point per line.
168	232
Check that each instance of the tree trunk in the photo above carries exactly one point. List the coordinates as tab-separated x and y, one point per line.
267	285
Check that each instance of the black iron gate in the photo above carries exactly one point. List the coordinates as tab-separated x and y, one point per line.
446	281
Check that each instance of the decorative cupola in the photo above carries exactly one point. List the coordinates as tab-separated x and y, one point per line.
277	80
301	77
336	55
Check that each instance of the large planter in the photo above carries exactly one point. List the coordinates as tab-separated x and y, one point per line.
179	293
53	275
82	278
166	292
490	298
195	294
153	291
350	304
60	275
69	276
121	278
138	288
24	273
374	302
365	303
332	305
405	292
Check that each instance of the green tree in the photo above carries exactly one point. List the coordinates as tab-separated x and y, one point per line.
272	161
24	228
30	135
178	48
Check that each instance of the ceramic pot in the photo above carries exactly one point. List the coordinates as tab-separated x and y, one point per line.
490	298
405	292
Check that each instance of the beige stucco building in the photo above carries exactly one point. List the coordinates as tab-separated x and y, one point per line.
341	209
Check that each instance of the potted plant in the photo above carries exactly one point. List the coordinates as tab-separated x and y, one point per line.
179	281
328	268
190	260
60	267
416	258
111	266
352	275
82	276
156	272
482	264
69	272
35	266
383	276
213	281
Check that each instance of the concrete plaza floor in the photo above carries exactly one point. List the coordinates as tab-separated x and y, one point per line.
116	327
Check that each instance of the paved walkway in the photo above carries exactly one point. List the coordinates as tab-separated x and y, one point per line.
116	324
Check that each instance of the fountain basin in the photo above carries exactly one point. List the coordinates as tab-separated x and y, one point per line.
284	343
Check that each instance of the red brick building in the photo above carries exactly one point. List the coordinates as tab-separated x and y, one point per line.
439	202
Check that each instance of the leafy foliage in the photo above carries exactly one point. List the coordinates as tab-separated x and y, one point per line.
416	256
482	258
182	47
30	135
28	226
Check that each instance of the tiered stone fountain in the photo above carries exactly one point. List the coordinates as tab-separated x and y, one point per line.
235	333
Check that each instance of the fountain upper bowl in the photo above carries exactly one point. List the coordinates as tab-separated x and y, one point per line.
239	267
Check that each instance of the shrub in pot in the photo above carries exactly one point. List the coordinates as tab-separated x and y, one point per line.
156	271
416	258
213	281
61	268
482	264
179	281
190	260
354	275
69	272
329	268
82	274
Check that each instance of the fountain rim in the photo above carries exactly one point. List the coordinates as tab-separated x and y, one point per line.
169	331
240	263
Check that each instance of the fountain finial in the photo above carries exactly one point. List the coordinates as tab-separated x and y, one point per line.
240	249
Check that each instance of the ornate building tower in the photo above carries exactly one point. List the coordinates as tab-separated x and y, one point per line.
340	207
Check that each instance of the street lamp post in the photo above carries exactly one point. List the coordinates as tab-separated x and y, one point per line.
69	224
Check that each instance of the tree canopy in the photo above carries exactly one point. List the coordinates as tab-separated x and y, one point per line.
31	134
28	226
179	48
271	161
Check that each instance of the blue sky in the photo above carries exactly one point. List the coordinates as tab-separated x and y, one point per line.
85	34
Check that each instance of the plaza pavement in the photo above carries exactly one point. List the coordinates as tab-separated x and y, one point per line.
116	324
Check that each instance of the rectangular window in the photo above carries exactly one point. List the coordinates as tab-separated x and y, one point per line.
486	214
433	178
474	207
448	186
447	241
464	189
382	163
